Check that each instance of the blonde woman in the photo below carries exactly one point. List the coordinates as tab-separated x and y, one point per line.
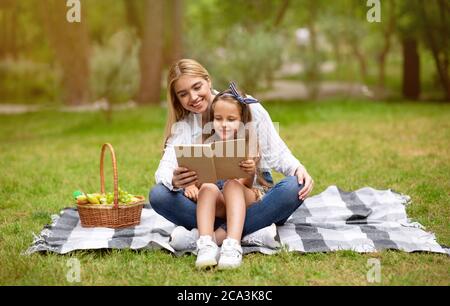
190	93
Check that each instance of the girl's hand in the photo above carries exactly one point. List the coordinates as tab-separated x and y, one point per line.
248	166
183	177
305	179
191	192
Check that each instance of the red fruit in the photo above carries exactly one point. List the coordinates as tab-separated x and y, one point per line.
82	202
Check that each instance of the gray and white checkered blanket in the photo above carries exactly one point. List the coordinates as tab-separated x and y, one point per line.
365	220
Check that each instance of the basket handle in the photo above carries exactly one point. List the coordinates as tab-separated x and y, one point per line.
102	176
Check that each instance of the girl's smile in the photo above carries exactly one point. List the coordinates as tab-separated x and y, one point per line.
226	134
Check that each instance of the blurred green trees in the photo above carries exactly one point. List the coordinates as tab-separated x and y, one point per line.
115	67
121	49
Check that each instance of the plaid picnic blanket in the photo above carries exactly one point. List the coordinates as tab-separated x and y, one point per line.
365	220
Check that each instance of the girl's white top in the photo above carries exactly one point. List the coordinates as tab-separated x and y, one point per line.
274	152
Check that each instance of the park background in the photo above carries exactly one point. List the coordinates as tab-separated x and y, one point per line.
359	102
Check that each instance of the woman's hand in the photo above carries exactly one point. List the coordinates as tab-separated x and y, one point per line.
248	166
191	192
305	179
183	177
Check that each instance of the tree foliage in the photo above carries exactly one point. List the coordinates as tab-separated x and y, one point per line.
45	58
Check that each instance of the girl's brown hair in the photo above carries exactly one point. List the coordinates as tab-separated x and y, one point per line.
246	117
226	95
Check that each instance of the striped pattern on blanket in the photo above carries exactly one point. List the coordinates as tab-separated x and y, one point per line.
365	220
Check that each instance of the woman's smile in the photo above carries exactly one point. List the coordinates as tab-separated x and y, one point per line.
198	103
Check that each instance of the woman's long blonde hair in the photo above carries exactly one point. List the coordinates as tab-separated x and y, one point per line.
175	111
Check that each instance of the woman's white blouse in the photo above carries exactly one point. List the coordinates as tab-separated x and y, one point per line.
274	152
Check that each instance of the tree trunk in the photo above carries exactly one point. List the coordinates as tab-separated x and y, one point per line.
314	71
14	36
173	43
382	72
151	53
361	60
281	13
387	35
70	44
133	17
8	29
354	39
440	56
4	41
177	21
336	45
177	28
411	69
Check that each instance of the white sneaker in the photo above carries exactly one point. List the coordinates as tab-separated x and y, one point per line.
183	240
207	252
265	237
230	254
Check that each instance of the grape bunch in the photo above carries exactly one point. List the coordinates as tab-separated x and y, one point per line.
124	197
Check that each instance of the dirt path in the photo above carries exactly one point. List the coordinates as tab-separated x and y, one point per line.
9	109
282	90
296	90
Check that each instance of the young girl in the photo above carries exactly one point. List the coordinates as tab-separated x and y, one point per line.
230	113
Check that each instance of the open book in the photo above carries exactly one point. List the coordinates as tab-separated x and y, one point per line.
214	161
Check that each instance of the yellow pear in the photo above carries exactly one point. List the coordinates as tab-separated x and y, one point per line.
92	199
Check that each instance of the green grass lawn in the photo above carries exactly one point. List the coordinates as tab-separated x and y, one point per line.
45	156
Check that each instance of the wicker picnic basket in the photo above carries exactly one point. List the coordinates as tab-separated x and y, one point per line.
114	216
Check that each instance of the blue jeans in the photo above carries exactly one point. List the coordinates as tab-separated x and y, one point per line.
275	207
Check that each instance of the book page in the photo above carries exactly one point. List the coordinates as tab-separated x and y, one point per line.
227	155
199	158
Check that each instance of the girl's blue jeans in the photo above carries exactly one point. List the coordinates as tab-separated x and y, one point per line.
275	207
